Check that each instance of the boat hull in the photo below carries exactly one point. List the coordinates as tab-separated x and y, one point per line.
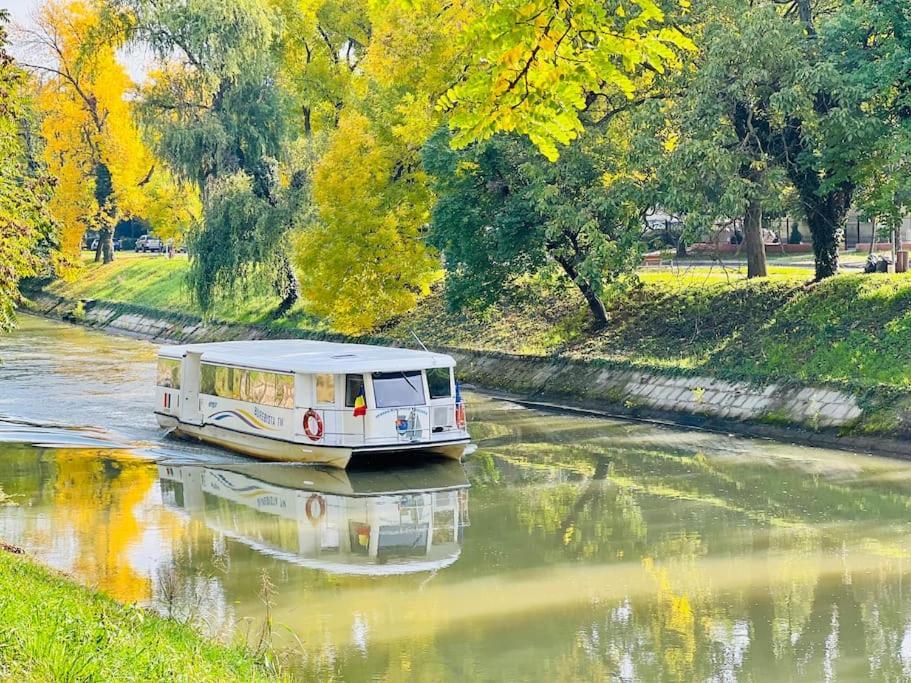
276	450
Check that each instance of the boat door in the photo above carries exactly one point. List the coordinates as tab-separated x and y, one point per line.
189	405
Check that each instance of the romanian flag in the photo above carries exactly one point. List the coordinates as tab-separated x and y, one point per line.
459	407
360	403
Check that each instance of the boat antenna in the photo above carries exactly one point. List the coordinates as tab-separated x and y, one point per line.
414	334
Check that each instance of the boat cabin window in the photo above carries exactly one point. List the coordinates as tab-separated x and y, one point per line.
325	388
397	389
253	386
354	384
227	384
169	373
284	391
207	379
439	382
267	388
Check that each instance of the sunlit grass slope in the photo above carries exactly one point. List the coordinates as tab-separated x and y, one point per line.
154	281
54	630
853	330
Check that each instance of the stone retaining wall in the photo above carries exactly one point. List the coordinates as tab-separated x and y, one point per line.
617	390
809	407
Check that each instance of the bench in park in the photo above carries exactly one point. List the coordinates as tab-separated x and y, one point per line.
652	258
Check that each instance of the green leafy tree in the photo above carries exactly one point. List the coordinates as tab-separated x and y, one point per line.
26	234
873	41
505	212
253	213
718	167
810	88
218	116
811	92
532	67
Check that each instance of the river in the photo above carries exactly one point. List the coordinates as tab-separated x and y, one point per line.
565	547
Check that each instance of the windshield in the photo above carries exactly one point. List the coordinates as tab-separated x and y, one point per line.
397	389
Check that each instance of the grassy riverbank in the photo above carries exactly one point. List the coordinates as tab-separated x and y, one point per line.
852	330
55	630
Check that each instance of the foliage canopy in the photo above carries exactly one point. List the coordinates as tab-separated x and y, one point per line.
26	233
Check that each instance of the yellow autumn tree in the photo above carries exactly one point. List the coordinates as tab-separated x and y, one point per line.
363	260
103	171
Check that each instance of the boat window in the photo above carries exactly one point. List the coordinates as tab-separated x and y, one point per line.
397	389
227	384
325	388
169	373
439	382
207	379
252	386
284	391
354	384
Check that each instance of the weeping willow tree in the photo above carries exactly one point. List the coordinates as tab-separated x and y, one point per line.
218	117
239	247
232	149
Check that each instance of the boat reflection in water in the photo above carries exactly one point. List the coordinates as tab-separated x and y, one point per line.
376	523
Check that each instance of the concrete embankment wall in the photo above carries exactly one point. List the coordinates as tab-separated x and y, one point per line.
823	415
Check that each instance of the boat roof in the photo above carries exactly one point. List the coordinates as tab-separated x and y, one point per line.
296	355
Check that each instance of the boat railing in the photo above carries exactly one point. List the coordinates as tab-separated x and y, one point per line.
439	423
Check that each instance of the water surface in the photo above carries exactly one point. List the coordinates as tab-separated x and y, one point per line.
565	548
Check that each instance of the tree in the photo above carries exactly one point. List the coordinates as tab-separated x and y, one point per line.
533	67
26	234
319	51
218	117
362	258
823	100
505	212
811	89
252	213
872	42
93	145
372	197
719	166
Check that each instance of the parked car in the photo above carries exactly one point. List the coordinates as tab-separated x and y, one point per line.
148	243
117	245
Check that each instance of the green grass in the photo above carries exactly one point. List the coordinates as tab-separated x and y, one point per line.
853	330
55	630
672	319
154	281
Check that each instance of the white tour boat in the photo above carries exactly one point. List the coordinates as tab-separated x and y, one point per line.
307	401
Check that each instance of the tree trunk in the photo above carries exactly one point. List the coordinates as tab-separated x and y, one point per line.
753	241
825	246
106	245
826	217
98	250
825	213
595	305
286	286
681	247
307	125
